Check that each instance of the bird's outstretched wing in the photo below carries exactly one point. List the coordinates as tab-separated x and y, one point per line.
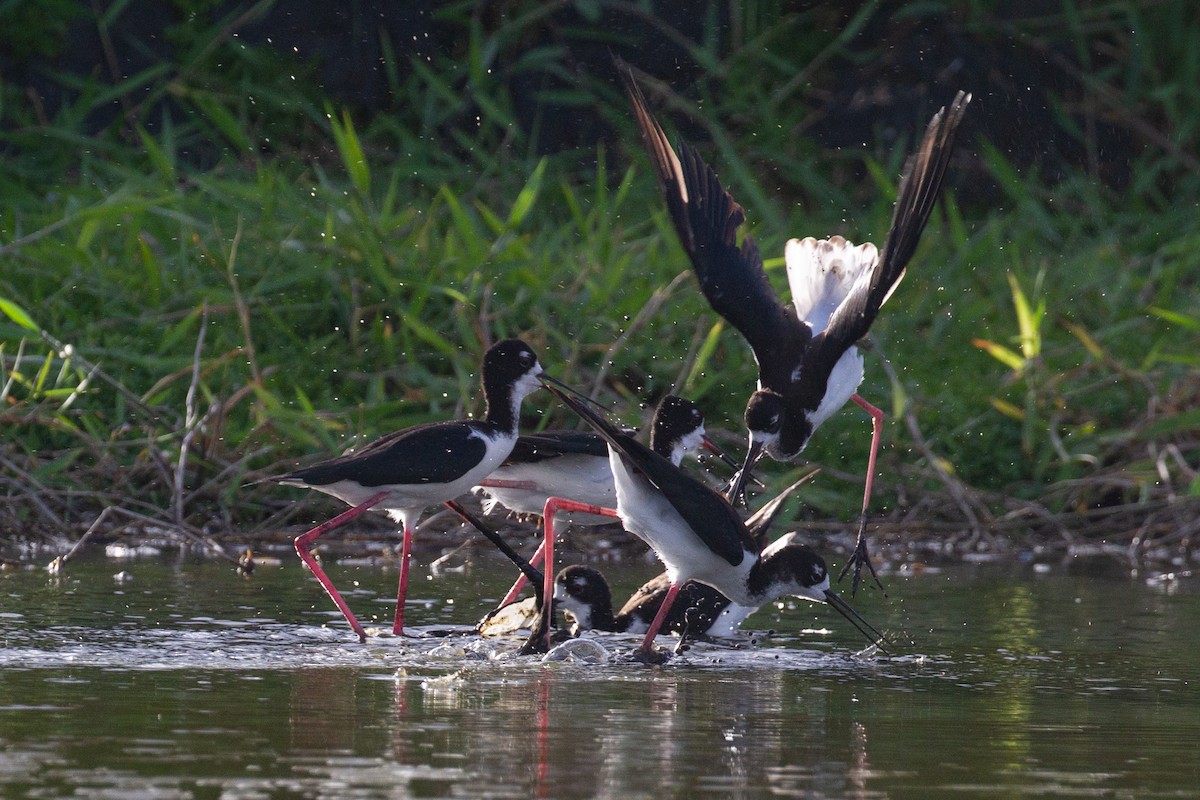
919	188
707	219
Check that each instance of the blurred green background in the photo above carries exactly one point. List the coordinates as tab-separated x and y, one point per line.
238	235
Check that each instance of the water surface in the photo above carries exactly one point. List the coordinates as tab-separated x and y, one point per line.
184	680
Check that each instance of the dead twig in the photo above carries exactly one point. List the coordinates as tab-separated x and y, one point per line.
189	533
191	423
33	492
55	566
975	512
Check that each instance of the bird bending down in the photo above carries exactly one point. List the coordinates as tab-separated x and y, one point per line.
808	365
695	532
699	610
404	472
584	593
571	467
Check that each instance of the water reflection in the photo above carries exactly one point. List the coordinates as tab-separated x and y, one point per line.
556	732
161	687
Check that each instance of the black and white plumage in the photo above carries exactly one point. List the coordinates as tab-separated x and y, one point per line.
694	531
699	610
568	472
574	464
404	472
808	365
554	463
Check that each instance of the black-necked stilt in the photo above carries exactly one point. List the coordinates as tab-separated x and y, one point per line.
699	610
404	472
585	593
694	530
808	365
573	466
677	427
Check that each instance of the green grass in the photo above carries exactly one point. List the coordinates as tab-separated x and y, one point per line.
292	300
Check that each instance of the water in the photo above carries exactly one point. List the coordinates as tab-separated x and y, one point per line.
189	681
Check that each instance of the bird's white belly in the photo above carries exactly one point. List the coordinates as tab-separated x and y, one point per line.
844	380
584	479
647	514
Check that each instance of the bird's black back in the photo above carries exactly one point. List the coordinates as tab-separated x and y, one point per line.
437	452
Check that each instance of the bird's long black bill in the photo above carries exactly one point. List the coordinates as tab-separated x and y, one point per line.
719	452
728	460
532	573
854	618
546	379
737	492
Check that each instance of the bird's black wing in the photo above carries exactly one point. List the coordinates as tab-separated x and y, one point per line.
646	600
759	523
707	219
919	188
695	600
533	447
438	452
707	513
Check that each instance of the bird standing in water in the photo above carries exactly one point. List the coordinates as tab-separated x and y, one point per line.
695	532
573	465
404	472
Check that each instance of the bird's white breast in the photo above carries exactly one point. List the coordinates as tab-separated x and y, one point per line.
844	380
647	514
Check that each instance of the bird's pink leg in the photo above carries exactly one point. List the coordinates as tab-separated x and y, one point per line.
304	545
553	506
501	483
534	561
402	589
860	555
647	647
876	431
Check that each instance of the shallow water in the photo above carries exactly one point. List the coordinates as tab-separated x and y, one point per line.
186	680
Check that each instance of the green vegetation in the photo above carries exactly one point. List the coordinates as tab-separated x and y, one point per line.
237	273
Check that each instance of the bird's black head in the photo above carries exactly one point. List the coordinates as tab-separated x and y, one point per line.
674	420
790	568
794	569
508	361
764	413
583	583
583	594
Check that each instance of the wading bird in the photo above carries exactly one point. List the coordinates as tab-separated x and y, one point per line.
808	365
404	472
696	533
573	466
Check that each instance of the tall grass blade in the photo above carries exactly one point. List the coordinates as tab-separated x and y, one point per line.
349	147
18	314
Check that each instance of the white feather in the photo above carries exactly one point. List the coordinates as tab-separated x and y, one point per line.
823	272
582	478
